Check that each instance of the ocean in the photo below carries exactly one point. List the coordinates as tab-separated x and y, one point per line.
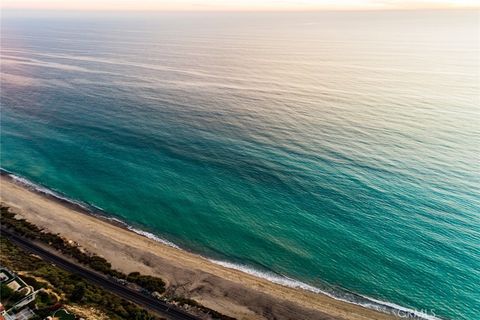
336	151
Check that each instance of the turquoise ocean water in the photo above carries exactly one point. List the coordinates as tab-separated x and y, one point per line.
336	151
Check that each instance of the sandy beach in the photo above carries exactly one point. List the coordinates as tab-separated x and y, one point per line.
228	291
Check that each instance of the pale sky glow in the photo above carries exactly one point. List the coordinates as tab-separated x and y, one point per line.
212	5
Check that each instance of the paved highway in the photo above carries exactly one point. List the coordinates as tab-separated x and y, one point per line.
146	301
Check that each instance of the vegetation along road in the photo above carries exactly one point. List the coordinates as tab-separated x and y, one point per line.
120	290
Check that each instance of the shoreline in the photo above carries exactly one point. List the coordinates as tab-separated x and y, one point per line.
206	280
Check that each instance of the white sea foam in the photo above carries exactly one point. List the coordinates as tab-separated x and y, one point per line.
284	281
140	232
39	188
419	314
368	302
152	236
115	220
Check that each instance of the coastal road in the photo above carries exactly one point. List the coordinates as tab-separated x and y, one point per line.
143	300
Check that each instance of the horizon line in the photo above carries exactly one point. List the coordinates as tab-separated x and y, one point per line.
269	10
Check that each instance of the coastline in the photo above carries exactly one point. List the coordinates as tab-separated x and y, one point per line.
216	285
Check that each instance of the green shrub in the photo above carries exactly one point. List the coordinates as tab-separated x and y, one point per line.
78	292
8	296
33	282
149	283
44	300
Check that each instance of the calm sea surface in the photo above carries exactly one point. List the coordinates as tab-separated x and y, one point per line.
340	150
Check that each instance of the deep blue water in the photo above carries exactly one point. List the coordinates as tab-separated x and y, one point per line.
336	149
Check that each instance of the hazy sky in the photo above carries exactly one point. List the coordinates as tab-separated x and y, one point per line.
233	4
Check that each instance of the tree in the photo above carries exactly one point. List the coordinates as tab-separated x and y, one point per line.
78	292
